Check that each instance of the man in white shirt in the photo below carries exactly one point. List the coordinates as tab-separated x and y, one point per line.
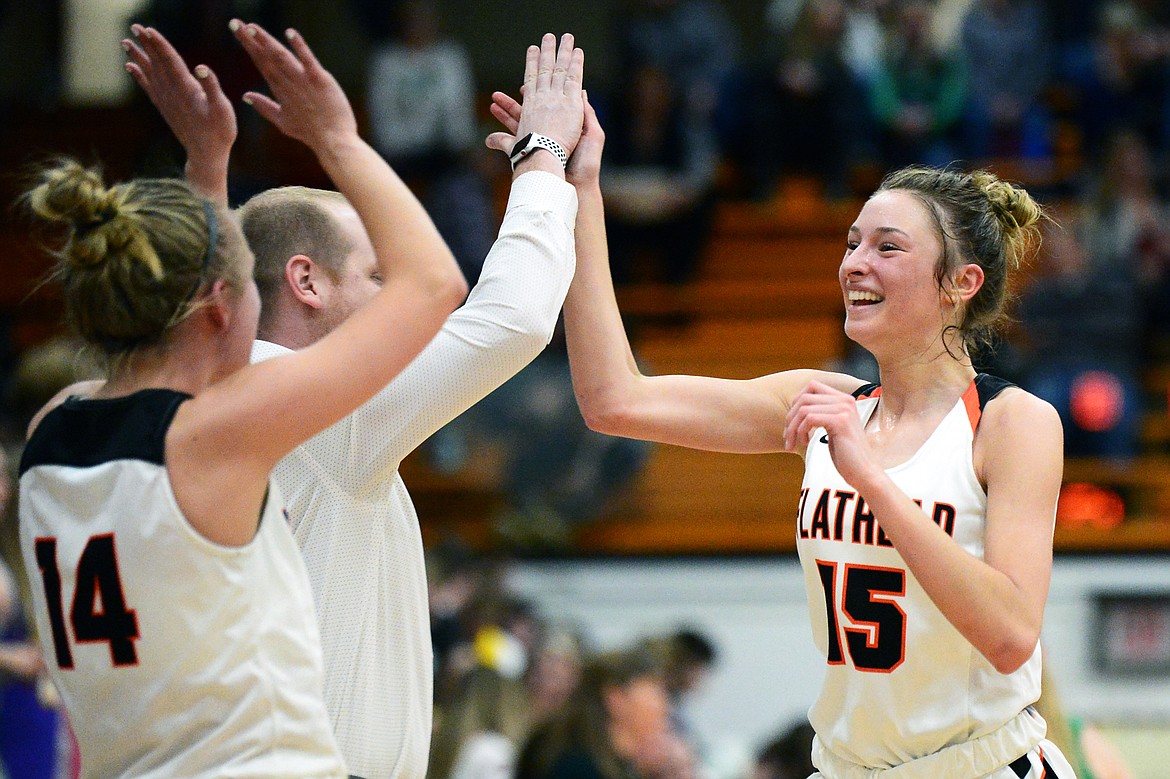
347	505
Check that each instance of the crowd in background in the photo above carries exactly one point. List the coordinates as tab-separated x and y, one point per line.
702	105
838	90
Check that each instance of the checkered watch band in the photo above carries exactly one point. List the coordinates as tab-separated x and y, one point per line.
533	141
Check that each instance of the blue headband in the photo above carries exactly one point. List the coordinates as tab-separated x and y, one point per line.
212	235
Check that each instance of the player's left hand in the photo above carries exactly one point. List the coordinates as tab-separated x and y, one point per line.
819	405
307	103
191	101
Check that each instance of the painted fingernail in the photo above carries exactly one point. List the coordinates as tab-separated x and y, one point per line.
291	34
235	24
252	31
248	99
201	71
126	46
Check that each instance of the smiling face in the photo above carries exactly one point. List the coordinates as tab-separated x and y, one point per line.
889	276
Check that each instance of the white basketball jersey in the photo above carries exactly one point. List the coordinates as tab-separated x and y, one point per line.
901	682
175	656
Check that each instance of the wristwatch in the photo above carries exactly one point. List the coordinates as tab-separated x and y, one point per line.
533	141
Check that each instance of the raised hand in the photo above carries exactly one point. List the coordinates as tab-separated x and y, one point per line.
584	162
192	104
553	105
307	103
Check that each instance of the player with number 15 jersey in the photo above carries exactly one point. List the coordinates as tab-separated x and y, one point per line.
883	638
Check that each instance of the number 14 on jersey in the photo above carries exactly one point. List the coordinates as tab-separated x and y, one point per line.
98	611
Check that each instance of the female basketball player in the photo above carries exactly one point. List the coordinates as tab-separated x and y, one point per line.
171	600
926	515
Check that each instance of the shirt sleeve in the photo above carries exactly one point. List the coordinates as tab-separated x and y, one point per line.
507	320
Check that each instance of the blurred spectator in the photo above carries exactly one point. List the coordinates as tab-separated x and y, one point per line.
659	180
1123	79
918	93
40	373
1082	344
1127	230
688	657
421	103
693	41
557	473
1073	24
1007	50
788	756
421	98
616	726
476	621
554	671
28	728
480	729
947	22
869	25
800	105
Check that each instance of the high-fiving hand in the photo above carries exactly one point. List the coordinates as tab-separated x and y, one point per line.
192	104
584	162
553	104
307	103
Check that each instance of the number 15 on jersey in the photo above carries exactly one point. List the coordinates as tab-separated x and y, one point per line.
864	618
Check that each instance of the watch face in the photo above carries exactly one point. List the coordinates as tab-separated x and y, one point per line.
518	147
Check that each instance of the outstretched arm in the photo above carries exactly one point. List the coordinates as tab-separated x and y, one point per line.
507	320
613	394
193	105
224	442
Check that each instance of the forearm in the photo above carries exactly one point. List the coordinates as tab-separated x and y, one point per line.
529	268
505	323
410	409
981	602
405	240
600	357
208	175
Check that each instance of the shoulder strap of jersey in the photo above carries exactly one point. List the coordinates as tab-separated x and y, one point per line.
867	391
85	433
984	389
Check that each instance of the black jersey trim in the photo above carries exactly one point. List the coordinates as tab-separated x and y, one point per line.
989	387
986	385
865	390
82	433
